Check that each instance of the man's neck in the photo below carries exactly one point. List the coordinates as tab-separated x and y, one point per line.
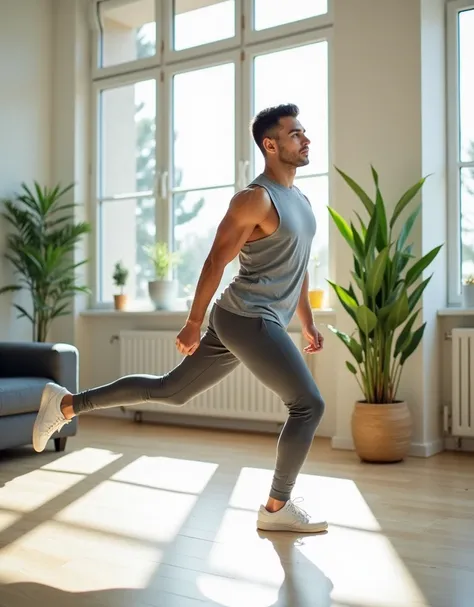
284	175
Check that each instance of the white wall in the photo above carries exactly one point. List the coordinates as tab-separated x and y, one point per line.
26	71
388	100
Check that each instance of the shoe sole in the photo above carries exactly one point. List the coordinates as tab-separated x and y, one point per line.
279	527
45	398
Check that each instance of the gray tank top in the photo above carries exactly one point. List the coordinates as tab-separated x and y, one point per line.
272	269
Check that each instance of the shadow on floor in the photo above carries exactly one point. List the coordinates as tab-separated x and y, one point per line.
304	585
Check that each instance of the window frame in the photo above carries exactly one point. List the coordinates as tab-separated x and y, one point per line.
169	71
99	86
128	66
171	56
454	163
302	27
163	66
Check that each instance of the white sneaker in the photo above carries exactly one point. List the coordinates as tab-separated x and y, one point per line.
50	418
290	518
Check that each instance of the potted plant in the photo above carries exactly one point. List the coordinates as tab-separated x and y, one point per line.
41	250
468	292
384	309
120	277
163	291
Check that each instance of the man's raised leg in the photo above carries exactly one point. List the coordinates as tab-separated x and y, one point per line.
210	363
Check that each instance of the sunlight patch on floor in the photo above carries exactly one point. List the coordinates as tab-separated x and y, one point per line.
238	551
7	519
35	489
130	511
185	476
83	461
109	562
236	593
354	556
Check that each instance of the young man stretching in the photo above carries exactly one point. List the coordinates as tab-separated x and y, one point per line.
270	225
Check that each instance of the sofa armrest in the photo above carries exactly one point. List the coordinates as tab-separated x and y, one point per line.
56	361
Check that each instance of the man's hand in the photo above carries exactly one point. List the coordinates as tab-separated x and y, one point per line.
189	338
315	339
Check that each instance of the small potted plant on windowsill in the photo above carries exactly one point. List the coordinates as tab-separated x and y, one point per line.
120	277
468	292
163	291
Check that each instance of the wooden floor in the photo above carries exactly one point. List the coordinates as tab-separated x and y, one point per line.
144	515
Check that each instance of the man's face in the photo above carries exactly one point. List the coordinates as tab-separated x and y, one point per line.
291	146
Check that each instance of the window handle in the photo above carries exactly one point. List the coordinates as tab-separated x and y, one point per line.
164	185
243	174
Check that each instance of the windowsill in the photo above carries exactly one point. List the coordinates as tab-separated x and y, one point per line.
456	311
178	314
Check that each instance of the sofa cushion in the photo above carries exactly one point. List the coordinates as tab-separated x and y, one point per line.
20	394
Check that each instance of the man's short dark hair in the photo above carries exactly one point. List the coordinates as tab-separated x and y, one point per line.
266	122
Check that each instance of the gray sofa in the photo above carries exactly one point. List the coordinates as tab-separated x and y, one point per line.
25	368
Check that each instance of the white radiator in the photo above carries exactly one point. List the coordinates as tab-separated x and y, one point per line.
239	395
463	382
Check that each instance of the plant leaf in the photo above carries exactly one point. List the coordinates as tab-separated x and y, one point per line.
415	271
399	311
366	319
405	335
347	300
412	346
366	201
9	288
343	227
417	292
407	227
351	367
376	273
406	199
353	346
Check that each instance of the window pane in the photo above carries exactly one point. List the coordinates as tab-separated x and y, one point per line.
467	222
466	88
128	31
199	22
127	158
311	97
204	127
196	216
316	189
126	227
271	13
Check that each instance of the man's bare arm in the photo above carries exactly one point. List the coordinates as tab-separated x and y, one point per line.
303	309
246	210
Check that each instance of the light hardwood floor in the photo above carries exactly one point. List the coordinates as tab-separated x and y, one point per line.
145	515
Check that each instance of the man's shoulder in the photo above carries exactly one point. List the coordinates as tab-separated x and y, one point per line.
252	195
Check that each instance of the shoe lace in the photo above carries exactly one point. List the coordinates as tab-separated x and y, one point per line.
298	511
55	424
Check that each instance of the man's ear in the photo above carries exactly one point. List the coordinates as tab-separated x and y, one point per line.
269	145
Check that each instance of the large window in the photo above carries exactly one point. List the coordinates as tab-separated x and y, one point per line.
176	83
461	147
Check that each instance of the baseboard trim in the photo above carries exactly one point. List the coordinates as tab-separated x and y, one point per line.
416	449
452	443
342	442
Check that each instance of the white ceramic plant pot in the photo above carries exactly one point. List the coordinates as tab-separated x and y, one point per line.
468	296
163	294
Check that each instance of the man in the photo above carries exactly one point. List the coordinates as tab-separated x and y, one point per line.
270	225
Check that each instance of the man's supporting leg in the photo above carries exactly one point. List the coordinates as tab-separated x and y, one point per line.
268	351
211	362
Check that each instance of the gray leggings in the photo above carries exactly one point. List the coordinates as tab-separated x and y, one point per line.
267	351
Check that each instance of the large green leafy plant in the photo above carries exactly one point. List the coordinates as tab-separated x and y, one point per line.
41	247
383	303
